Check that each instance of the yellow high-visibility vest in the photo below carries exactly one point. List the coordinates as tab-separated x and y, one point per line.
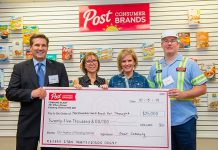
180	74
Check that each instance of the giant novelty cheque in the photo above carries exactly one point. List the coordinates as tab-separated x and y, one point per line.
106	119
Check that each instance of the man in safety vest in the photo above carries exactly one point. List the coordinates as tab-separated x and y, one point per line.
185	81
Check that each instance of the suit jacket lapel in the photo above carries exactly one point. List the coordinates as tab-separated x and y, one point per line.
32	72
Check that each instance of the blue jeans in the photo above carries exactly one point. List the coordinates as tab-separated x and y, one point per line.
184	136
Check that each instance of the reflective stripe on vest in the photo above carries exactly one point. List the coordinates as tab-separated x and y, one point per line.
180	75
188	99
151	84
158	74
198	79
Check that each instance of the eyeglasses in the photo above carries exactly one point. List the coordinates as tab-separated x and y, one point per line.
91	61
167	42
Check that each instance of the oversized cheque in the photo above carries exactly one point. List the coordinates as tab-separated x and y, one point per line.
112	119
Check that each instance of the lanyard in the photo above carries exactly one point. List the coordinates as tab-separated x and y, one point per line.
127	82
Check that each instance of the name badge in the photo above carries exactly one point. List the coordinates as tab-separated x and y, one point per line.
53	79
158	71
93	86
181	69
167	81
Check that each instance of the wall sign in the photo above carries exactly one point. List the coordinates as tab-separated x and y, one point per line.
114	17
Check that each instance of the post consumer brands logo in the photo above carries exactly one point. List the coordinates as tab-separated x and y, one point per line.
62	96
114	17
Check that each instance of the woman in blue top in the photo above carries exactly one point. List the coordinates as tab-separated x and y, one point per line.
128	78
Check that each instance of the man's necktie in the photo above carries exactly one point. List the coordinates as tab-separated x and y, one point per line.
40	75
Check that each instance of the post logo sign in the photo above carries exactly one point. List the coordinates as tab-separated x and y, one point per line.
119	17
62	96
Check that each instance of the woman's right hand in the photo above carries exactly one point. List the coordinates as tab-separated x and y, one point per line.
104	86
76	84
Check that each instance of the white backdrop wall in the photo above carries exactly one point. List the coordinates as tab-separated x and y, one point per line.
59	20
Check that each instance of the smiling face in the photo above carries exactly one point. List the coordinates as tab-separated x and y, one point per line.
170	45
127	64
39	49
91	64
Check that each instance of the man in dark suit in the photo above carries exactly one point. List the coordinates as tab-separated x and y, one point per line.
24	87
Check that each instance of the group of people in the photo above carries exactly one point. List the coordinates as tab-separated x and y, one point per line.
175	72
128	78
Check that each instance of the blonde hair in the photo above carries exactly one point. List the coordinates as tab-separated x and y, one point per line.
125	52
82	65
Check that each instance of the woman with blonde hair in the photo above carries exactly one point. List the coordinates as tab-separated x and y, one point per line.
90	66
127	62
